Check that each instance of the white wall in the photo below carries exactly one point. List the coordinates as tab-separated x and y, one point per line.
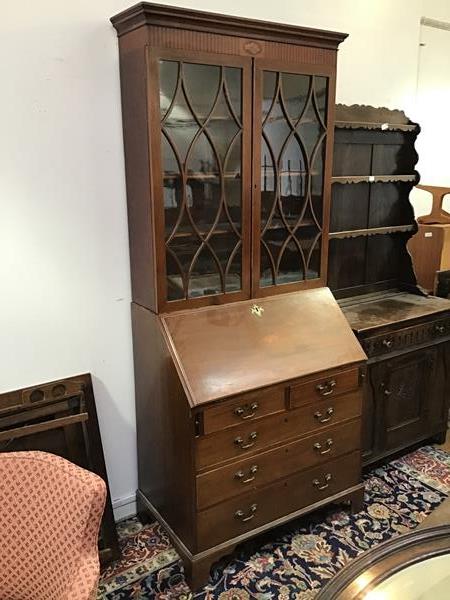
64	303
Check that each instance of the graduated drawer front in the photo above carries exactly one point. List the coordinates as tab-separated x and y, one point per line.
244	513
257	436
323	387
264	468
246	407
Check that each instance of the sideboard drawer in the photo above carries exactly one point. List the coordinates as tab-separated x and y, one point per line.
244	513
264	468
406	337
246	407
260	435
323	387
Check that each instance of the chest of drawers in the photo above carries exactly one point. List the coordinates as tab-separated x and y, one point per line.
246	418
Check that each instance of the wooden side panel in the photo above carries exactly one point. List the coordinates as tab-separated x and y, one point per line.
133	77
165	428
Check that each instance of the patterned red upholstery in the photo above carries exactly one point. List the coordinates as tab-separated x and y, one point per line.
50	512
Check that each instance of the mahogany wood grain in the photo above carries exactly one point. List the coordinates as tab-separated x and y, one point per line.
199	359
165	428
222	351
251	438
329	386
244	408
240	476
225	520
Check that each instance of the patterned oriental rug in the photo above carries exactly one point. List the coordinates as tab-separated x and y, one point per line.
296	560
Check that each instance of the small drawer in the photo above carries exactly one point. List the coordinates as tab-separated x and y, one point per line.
260	435
249	511
246	407
265	468
324	387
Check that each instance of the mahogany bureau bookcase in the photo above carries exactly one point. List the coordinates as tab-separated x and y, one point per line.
405	332
248	377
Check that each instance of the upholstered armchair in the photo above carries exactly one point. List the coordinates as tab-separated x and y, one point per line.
50	512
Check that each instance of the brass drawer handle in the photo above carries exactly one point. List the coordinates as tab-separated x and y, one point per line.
240	514
321	418
327	388
386	391
247	411
252	474
387	343
322	486
318	446
250	441
439	329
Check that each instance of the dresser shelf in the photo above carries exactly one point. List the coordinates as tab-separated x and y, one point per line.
344	179
370	231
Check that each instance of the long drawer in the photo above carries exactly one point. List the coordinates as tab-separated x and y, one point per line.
254	437
244	513
264	468
406	337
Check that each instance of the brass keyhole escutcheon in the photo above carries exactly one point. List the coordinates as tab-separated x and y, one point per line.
257	310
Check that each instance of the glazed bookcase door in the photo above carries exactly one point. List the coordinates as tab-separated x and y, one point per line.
202	176
292	168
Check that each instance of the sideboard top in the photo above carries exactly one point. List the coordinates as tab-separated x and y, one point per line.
146	13
221	351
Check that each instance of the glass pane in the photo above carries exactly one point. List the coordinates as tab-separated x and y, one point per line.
180	127
321	92
168	73
201	83
295	90
269	88
222	128
205	277
276	129
292	165
310	130
233	80
201	108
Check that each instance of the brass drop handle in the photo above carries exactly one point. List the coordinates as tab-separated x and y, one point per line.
239	441
325	389
252	474
322	486
247	411
386	392
318	446
240	514
388	343
324	419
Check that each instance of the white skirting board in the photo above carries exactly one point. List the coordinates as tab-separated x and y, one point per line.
124	508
